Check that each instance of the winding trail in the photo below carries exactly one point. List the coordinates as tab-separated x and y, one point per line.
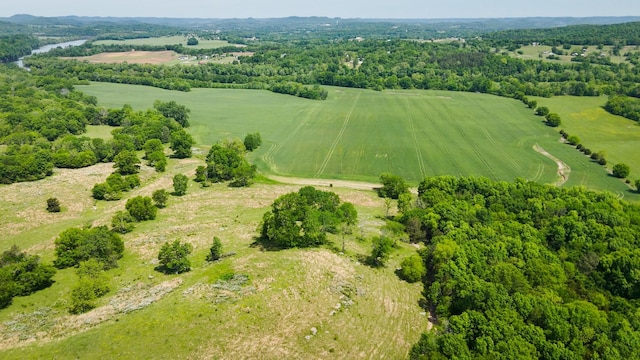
563	168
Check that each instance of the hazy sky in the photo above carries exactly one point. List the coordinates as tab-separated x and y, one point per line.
331	8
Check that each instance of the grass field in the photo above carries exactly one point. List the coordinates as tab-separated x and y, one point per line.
537	52
358	134
617	137
289	294
169	40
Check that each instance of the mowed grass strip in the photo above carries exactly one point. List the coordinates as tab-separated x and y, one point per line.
358	134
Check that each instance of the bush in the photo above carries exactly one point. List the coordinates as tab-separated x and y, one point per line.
553	119
573	140
412	268
542	111
180	183
382	247
621	170
587	151
602	161
76	245
122	222
53	205
215	252
252	141
160	198
22	274
141	208
173	257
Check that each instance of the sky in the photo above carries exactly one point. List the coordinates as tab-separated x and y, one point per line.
407	9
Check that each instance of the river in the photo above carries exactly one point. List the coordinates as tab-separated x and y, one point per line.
47	48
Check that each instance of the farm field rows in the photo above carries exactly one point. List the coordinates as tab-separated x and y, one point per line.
358	134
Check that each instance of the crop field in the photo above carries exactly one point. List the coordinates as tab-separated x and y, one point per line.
169	40
132	57
358	134
314	303
617	137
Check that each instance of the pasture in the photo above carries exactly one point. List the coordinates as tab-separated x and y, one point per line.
169	40
617	137
132	57
538	52
286	306
358	134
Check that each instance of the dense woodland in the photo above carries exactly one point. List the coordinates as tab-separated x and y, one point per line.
513	270
523	270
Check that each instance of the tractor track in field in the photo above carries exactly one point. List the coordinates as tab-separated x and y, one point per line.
477	152
416	145
324	164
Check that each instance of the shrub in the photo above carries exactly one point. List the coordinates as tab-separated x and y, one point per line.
620	170
173	257
141	208
412	268
252	141
587	151
53	205
573	140
76	245
180	183
553	119
215	252
542	111
602	161
380	251
122	222
160	198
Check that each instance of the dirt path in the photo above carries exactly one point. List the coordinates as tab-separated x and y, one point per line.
563	168
346	184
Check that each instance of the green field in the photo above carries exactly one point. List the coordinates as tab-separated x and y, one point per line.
537	52
168	40
151	315
617	137
358	134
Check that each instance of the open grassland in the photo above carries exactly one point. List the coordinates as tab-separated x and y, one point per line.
358	134
312	303
542	52
169	40
617	137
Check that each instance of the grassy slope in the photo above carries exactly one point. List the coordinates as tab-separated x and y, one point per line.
358	134
598	130
289	292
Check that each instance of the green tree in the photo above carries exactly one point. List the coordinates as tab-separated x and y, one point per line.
380	251
412	268
180	183
53	205
621	170
93	283
151	146
75	245
215	252
573	140
22	274
173	257
160	198
141	208
173	110
126	162
392	186
252	141
181	143
192	41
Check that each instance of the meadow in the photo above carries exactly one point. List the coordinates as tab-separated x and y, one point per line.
315	303
617	137
358	134
537	52
169	40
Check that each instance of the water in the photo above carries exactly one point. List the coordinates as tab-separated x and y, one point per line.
47	48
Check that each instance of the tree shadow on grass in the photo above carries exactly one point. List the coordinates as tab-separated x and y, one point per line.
264	244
